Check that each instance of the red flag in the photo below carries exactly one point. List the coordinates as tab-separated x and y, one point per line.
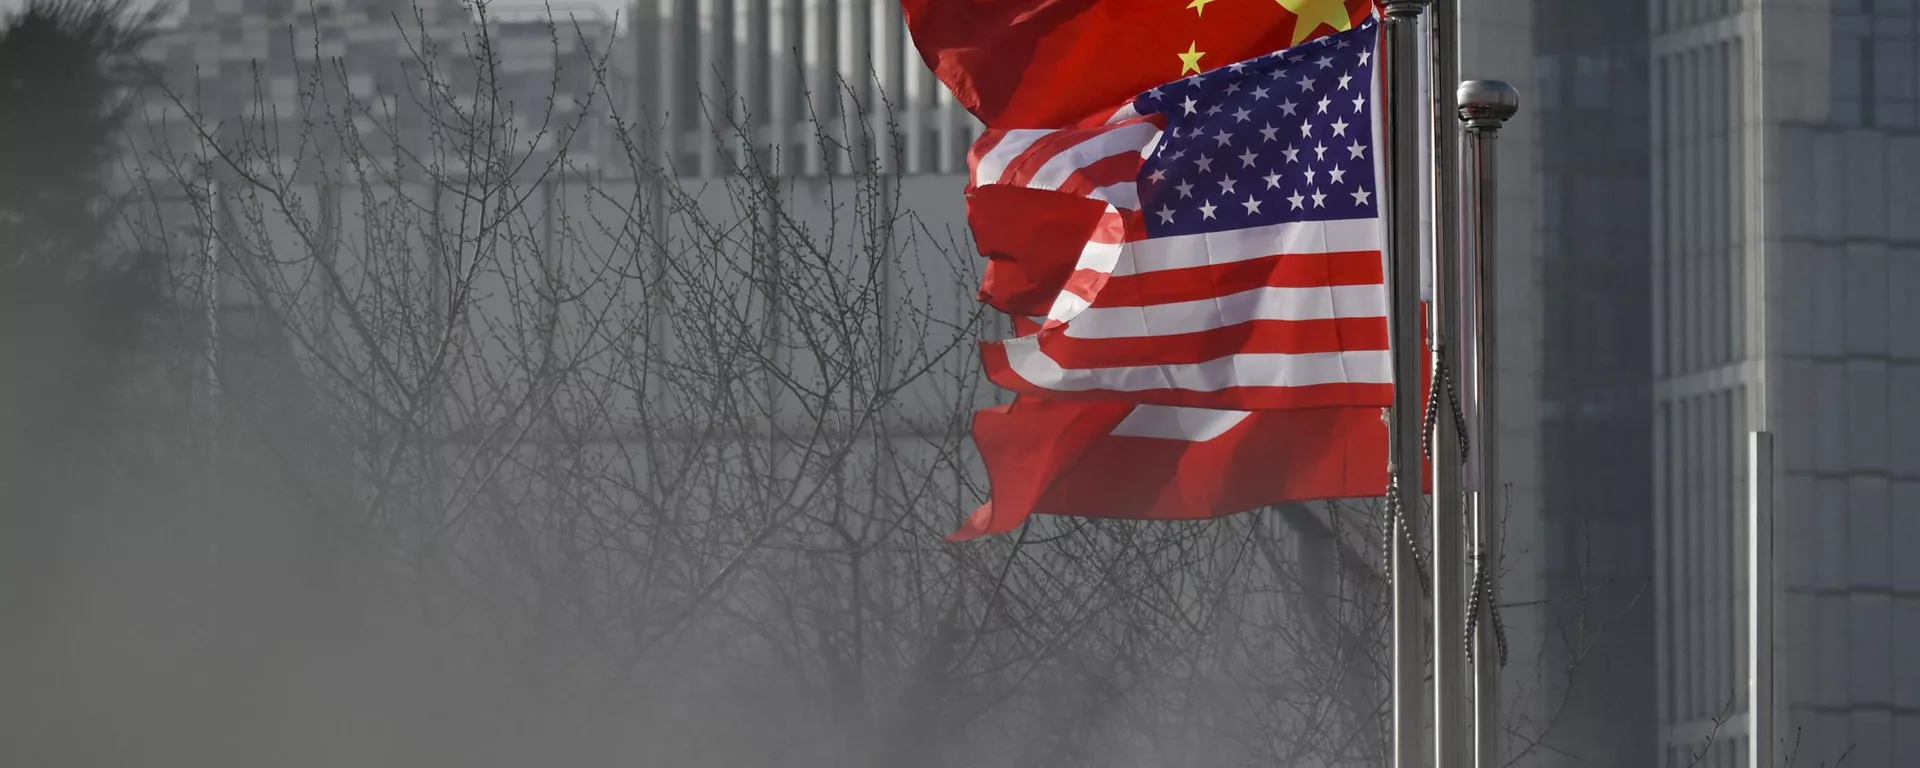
1118	460
1051	63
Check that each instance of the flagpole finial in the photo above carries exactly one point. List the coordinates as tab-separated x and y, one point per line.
1405	9
1487	104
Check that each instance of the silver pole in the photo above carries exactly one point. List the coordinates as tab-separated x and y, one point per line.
1484	106
1449	498
1760	592
1403	250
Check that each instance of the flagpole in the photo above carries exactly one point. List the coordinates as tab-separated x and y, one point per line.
1449	497
1403	249
1486	105
1762	713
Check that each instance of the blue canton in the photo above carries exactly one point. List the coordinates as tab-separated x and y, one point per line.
1285	137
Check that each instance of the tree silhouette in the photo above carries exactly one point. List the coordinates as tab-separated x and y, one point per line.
72	308
68	70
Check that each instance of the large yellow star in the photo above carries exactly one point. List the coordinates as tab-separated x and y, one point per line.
1199	7
1190	61
1313	13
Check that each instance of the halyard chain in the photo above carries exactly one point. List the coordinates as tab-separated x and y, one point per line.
1480	594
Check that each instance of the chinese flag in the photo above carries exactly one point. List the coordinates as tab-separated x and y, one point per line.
1053	63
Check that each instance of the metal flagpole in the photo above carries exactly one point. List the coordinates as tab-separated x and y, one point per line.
1763	728
1403	250
1484	106
1449	498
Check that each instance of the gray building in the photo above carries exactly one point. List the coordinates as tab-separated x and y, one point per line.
367	74
1786	158
825	87
1590	102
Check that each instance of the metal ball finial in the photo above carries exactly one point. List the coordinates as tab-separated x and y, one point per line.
1487	104
1405	9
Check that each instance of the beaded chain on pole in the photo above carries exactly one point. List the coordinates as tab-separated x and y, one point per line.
1396	520
1480	592
1443	384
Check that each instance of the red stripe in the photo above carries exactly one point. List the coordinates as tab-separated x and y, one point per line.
1251	398
1292	337
1114	226
1049	457
1268	458
1086	283
1020	172
1106	171
1291	270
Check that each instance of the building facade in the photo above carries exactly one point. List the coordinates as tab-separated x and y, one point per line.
1591	104
819	87
368	75
1786	156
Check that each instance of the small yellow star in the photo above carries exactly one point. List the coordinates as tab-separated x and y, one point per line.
1190	61
1199	7
1310	14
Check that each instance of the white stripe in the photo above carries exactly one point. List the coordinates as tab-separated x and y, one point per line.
1169	422
1125	194
1067	306
994	164
1029	362
1186	251
1318	303
1127	139
1094	256
1099	256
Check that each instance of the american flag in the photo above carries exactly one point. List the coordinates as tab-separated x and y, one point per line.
1239	263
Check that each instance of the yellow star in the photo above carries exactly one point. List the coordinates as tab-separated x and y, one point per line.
1190	61
1199	7
1313	13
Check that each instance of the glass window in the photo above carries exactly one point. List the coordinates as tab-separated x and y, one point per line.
1853	64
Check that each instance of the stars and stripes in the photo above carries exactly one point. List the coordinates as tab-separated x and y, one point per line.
1184	229
1238	262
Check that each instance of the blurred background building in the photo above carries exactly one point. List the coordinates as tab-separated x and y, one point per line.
263	68
1786	165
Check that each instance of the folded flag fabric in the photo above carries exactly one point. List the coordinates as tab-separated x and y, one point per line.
1152	462
1032	239
1236	258
1053	63
1121	460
